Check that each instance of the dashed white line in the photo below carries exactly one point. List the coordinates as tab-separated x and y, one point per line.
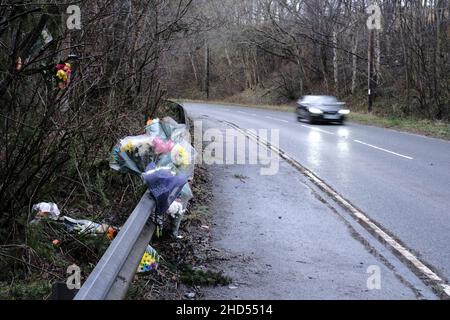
317	129
363	143
385	150
332	133
272	118
249	114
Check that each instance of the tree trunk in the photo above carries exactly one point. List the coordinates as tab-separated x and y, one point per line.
370	73
335	64
194	68
377	52
207	70
354	62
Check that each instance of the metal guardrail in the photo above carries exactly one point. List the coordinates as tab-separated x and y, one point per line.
113	274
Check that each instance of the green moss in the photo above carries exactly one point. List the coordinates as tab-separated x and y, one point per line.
191	277
197	212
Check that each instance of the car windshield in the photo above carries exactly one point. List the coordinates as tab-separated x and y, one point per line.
319	99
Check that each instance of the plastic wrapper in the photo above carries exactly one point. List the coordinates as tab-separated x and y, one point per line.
166	129
133	154
89	227
154	129
176	209
149	261
165	144
176	212
165	186
46	210
161	146
183	157
176	131
165	160
186	195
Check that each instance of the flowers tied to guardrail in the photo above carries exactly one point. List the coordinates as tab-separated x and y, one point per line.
164	158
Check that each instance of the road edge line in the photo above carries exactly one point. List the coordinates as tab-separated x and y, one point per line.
419	268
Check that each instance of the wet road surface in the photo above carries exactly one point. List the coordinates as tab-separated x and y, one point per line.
400	180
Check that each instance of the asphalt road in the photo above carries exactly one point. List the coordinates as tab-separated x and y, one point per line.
400	180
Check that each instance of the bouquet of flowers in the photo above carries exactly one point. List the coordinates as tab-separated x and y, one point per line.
133	154
149	261
63	72
164	144
163	158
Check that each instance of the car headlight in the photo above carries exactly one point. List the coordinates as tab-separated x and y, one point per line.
315	110
344	111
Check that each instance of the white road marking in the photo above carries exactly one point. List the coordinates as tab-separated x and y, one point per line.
276	119
332	133
385	150
317	129
360	217
361	142
250	114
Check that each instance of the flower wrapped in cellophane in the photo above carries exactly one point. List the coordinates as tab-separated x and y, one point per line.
133	154
149	261
63	72
163	158
164	144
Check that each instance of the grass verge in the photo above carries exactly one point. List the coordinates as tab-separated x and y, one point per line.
436	129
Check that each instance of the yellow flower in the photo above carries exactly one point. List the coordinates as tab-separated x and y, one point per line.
62	75
183	157
68	65
128	147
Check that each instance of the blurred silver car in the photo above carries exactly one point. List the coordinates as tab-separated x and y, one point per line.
321	109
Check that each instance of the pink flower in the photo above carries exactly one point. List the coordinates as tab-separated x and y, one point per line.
162	146
60	66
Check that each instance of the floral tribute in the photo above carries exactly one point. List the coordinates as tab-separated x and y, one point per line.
63	71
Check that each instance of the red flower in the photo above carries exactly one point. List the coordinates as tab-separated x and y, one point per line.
60	66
